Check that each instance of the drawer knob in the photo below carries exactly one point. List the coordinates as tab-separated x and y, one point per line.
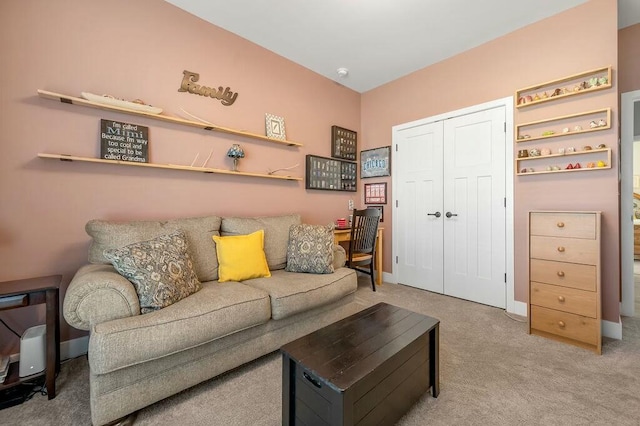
561	249
561	299
561	324
560	224
561	274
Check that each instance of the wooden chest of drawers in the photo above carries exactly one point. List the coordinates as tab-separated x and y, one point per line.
564	277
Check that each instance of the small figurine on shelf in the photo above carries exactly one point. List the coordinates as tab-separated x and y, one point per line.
236	152
602	122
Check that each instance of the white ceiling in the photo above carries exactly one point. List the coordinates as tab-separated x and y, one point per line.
378	40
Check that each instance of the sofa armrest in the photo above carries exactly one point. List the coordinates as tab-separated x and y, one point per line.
98	293
339	256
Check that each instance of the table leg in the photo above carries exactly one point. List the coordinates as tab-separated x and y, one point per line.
379	257
287	406
53	341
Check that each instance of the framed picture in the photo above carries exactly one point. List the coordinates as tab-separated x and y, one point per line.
375	193
381	208
375	162
275	127
330	174
343	143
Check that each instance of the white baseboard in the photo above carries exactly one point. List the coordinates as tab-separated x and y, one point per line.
388	278
519	308
74	348
612	329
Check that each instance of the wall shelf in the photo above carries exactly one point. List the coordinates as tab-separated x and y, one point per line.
562	83
83	102
607	161
569	121
64	157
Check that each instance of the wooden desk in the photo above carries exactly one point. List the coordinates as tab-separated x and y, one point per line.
36	291
340	235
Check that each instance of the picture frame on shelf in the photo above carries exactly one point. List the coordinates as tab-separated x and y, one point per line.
381	208
275	127
344	143
375	162
375	193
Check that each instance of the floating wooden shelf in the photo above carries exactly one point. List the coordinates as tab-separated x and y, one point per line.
83	102
556	84
607	161
605	112
64	157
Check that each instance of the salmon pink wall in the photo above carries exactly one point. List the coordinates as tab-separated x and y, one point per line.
579	39
139	49
629	58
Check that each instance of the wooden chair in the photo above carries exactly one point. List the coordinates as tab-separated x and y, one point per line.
362	245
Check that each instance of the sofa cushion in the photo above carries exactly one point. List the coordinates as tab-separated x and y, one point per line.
310	249
241	257
276	234
217	310
293	292
160	269
199	230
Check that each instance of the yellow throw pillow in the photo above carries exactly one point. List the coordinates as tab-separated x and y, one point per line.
241	257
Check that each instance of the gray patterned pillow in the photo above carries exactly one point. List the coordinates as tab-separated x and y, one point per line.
160	269
310	249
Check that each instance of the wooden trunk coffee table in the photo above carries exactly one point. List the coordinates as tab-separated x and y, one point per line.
369	368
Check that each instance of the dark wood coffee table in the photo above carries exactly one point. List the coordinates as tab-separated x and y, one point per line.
369	368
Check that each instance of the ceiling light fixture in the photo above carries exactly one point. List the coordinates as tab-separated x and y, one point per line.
342	72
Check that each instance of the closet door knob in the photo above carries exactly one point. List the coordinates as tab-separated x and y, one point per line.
449	214
561	324
436	214
561	249
561	299
561	274
560	224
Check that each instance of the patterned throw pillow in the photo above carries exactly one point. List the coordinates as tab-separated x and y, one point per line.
310	249
160	269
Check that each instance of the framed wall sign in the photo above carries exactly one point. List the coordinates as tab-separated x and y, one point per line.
330	174
375	162
343	143
124	141
375	193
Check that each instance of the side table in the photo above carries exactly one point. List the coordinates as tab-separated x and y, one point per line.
35	291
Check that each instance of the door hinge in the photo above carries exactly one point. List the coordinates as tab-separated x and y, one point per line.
396	259
505	277
505	202
505	127
396	147
396	203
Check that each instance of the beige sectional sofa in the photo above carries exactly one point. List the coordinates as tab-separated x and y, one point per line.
138	359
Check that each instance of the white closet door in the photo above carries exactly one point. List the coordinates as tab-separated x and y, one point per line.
475	214
419	215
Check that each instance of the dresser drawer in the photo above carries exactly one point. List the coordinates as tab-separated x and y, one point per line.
564	249
570	326
573	225
572	275
564	299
